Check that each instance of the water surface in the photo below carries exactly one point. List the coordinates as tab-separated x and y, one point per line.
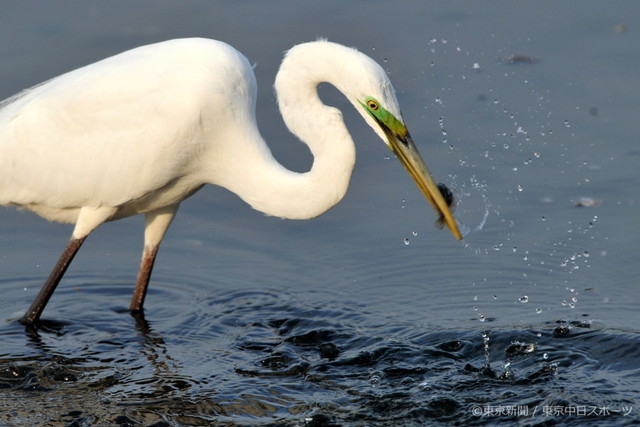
368	315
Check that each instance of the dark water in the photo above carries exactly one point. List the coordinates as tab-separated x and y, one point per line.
367	315
283	357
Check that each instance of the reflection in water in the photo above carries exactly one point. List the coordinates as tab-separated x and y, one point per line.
165	379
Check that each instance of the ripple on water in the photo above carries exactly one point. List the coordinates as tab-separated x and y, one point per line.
252	355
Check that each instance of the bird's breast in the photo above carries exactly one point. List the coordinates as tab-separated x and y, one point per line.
172	193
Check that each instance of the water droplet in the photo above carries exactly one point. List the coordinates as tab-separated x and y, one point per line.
538	310
545	356
476	66
520	188
524	299
485	339
406	241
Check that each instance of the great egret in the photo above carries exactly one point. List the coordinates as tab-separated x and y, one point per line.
143	130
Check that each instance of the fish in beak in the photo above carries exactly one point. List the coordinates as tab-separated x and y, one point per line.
400	142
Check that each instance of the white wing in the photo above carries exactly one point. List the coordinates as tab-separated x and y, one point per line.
117	129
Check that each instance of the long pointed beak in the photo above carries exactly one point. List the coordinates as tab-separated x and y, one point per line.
407	153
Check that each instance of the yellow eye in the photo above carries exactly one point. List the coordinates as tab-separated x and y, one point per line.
372	104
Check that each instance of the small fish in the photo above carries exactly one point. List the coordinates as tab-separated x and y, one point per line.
447	195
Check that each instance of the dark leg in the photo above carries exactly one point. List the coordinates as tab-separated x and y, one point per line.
156	224
33	314
142	283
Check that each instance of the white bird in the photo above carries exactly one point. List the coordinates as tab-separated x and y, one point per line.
139	132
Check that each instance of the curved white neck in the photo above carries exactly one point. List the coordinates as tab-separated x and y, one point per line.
270	187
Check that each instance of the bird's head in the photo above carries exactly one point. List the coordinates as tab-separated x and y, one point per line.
375	100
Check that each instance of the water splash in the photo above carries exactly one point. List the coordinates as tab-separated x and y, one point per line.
471	201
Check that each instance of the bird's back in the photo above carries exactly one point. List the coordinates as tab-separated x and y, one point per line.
120	129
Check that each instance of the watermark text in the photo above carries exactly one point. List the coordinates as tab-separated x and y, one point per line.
549	411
